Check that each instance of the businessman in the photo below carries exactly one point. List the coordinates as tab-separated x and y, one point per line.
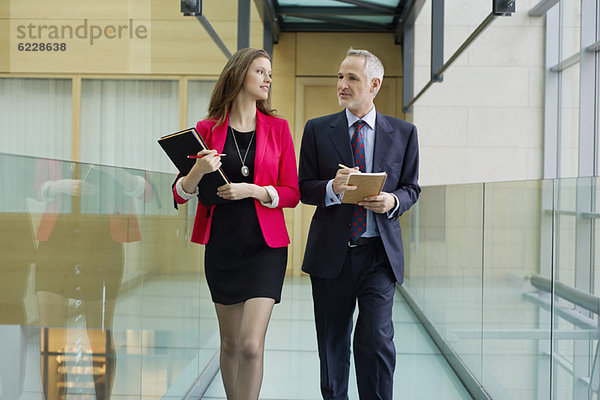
354	252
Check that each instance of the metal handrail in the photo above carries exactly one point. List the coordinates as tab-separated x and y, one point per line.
574	295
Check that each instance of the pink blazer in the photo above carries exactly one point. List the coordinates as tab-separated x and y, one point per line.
274	164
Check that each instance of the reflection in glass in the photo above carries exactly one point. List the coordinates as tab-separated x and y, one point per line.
96	288
89	214
17	253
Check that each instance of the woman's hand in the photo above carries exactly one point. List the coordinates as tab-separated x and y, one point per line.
209	162
239	191
74	187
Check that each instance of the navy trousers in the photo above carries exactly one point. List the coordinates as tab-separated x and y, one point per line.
367	277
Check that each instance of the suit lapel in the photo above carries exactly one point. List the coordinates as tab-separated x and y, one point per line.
262	129
383	142
340	138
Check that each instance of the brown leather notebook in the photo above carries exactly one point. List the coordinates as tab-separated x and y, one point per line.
367	184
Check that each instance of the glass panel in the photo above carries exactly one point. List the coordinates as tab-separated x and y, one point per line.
569	123
443	256
571	27
575	327
422	48
36	117
121	120
516	334
332	3
596	235
597	112
99	297
566	239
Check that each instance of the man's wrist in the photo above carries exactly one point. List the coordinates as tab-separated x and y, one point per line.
331	198
395	206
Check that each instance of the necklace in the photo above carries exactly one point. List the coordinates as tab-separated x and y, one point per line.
245	170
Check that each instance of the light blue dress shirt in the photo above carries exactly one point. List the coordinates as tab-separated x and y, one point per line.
368	131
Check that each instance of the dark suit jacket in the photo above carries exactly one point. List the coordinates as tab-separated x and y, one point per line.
325	144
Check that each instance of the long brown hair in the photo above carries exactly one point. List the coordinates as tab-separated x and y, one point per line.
230	84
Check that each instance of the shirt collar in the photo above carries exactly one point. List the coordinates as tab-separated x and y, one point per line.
369	118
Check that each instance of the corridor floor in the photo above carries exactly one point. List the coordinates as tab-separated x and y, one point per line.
292	365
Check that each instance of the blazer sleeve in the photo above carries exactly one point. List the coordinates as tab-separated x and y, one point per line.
177	199
287	181
312	186
408	188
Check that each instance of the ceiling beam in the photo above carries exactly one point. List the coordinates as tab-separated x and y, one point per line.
540	8
335	11
364	4
410	12
332	27
267	12
348	23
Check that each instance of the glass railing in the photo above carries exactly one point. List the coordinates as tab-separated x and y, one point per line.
508	276
102	295
101	292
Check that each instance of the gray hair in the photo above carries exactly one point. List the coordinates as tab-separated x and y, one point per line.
373	65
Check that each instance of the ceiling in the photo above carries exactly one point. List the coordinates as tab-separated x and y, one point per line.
336	15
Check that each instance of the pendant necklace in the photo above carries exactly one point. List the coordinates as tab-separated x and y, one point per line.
245	170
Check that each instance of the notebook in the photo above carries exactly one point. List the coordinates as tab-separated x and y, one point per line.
367	184
178	146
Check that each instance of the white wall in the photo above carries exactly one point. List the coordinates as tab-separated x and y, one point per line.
484	122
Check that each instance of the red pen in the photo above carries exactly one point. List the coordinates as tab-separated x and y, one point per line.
220	155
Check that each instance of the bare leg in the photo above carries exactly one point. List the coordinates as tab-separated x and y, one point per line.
255	320
53	316
230	320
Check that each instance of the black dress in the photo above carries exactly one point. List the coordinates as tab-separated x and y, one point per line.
238	263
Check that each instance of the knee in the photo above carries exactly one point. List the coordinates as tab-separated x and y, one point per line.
251	349
229	346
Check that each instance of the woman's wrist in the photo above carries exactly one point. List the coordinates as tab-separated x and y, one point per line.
187	184
261	194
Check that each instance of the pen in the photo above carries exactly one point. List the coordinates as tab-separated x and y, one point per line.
220	155
343	166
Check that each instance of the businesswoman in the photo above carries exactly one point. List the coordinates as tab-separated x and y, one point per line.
246	238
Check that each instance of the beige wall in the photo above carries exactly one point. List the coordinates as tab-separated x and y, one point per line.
484	122
169	43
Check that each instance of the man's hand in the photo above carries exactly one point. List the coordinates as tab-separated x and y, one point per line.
341	177
380	204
